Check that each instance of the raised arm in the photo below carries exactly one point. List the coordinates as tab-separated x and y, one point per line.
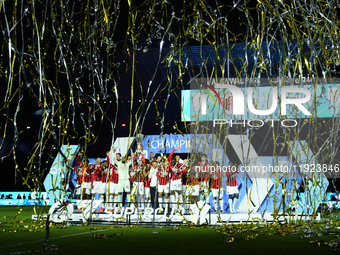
134	162
113	157
108	158
78	157
129	162
172	153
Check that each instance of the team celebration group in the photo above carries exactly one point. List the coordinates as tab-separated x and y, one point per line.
167	182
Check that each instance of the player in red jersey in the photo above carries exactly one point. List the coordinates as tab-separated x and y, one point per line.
163	175
176	181
137	173
87	177
79	172
147	180
104	181
165	187
185	190
232	188
112	186
216	188
97	185
203	170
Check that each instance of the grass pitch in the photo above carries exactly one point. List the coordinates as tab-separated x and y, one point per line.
20	235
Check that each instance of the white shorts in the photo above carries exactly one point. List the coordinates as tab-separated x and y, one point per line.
217	193
87	187
98	187
184	189
193	190
123	185
204	186
176	185
78	191
147	192
164	188
112	188
232	190
140	186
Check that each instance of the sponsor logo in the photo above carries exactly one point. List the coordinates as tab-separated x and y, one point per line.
235	99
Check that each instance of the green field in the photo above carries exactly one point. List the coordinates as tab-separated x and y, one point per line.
20	235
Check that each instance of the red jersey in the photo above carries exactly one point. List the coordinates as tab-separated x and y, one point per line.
88	174
216	180
113	177
78	161
216	184
138	170
97	173
79	174
113	174
138	175
147	181
104	174
231	174
163	180
180	170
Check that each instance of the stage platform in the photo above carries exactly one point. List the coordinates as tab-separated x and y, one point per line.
131	216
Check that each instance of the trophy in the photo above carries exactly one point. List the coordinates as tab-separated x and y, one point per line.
139	149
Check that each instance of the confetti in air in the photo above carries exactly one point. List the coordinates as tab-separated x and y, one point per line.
74	68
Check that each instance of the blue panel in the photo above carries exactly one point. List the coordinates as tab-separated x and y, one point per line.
53	181
273	201
313	196
158	144
244	184
317	184
185	105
